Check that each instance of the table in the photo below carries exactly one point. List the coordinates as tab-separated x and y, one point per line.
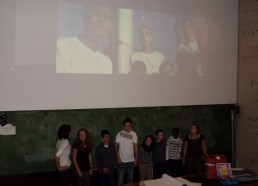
201	178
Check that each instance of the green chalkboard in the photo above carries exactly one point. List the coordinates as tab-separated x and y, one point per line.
32	149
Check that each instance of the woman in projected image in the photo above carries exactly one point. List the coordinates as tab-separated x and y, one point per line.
190	59
81	54
151	58
190	45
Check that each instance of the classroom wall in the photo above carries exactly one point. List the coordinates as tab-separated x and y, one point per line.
247	120
32	148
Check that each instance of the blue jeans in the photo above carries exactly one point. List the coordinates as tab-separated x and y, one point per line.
125	170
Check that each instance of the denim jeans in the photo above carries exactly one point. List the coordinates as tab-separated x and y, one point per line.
125	170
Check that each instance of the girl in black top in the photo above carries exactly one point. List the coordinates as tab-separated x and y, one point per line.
194	151
82	157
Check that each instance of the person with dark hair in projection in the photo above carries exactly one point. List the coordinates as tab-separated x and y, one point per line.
190	45
151	58
81	54
190	61
166	69
138	68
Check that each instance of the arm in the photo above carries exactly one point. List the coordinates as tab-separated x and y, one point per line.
185	152
135	153
58	166
90	160
59	153
119	161
75	162
204	148
117	153
114	155
100	165
97	157
167	149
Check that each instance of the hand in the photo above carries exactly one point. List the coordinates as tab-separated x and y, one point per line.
135	163
80	174
119	161
91	172
105	170
63	168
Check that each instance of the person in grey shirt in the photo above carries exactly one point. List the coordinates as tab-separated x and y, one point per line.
145	158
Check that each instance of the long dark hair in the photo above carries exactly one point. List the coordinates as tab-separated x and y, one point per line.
83	144
148	148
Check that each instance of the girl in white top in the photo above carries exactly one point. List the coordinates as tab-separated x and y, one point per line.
63	147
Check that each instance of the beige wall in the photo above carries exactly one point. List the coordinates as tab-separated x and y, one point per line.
247	120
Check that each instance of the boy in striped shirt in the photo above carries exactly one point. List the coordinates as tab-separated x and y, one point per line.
173	153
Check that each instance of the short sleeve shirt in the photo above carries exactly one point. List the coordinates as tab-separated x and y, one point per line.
82	158
63	151
126	143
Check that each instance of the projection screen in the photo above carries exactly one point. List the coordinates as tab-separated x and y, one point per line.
76	54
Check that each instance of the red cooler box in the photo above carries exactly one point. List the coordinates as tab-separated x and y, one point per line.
210	164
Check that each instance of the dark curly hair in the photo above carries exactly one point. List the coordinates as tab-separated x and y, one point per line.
64	131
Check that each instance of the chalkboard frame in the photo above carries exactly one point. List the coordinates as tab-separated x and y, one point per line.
32	149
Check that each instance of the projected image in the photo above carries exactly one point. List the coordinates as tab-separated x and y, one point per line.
100	40
154	43
192	45
85	47
118	53
164	44
147	55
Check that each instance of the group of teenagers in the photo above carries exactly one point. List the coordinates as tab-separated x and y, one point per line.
154	157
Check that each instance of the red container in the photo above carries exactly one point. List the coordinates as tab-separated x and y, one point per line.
210	164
